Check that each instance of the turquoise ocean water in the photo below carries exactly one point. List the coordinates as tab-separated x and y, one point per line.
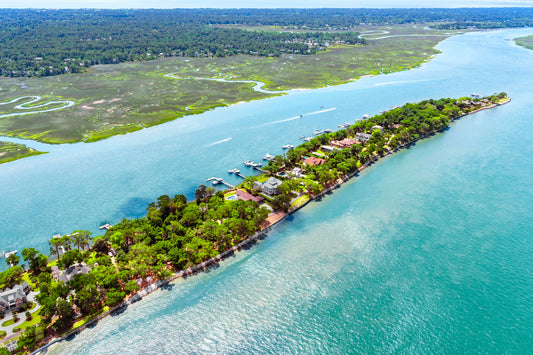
429	251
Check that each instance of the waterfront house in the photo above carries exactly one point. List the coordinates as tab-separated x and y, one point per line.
69	273
344	143
271	186
312	161
363	137
245	196
12	299
297	172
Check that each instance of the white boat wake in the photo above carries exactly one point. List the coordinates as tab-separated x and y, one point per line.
24	105
300	116
218	142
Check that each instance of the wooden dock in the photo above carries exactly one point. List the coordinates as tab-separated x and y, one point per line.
228	185
106	226
240	175
217	181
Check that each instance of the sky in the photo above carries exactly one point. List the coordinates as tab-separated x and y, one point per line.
114	4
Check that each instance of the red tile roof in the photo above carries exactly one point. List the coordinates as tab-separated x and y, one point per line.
243	195
314	161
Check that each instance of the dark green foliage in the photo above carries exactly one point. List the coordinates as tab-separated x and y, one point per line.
51	42
36	260
11	276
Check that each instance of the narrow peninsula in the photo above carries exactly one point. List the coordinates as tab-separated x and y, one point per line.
88	278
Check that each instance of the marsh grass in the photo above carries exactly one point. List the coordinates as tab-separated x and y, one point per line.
122	98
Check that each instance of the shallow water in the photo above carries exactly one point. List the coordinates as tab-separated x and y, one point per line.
429	251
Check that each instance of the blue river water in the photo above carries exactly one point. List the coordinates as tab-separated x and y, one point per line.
429	251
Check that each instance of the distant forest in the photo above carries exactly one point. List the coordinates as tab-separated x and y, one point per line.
52	42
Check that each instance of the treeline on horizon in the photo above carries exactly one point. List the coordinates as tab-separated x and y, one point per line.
52	42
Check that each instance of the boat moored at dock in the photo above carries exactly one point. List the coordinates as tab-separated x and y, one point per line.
268	157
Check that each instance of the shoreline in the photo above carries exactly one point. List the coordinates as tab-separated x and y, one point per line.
263	233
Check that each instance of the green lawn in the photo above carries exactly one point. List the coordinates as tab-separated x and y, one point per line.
35	320
8	322
26	277
300	201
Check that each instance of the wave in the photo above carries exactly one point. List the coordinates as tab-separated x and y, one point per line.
218	142
300	116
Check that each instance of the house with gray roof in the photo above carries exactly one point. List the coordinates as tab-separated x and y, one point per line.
14	298
69	273
271	186
363	137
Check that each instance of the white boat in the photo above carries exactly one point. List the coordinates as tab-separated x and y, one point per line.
7	254
327	130
268	157
248	163
366	116
257	165
287	146
302	137
308	139
340	125
236	171
317	132
346	124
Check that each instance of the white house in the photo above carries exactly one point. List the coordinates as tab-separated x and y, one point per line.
271	186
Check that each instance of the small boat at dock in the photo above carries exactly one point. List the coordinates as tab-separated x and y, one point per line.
236	171
302	137
366	116
288	146
327	130
268	157
217	181
317	132
308	139
248	163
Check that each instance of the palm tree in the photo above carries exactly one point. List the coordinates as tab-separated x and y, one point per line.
81	238
55	243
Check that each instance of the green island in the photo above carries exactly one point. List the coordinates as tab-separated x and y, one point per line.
526	42
89	278
14	151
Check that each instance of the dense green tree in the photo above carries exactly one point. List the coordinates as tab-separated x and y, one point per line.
81	238
13	260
